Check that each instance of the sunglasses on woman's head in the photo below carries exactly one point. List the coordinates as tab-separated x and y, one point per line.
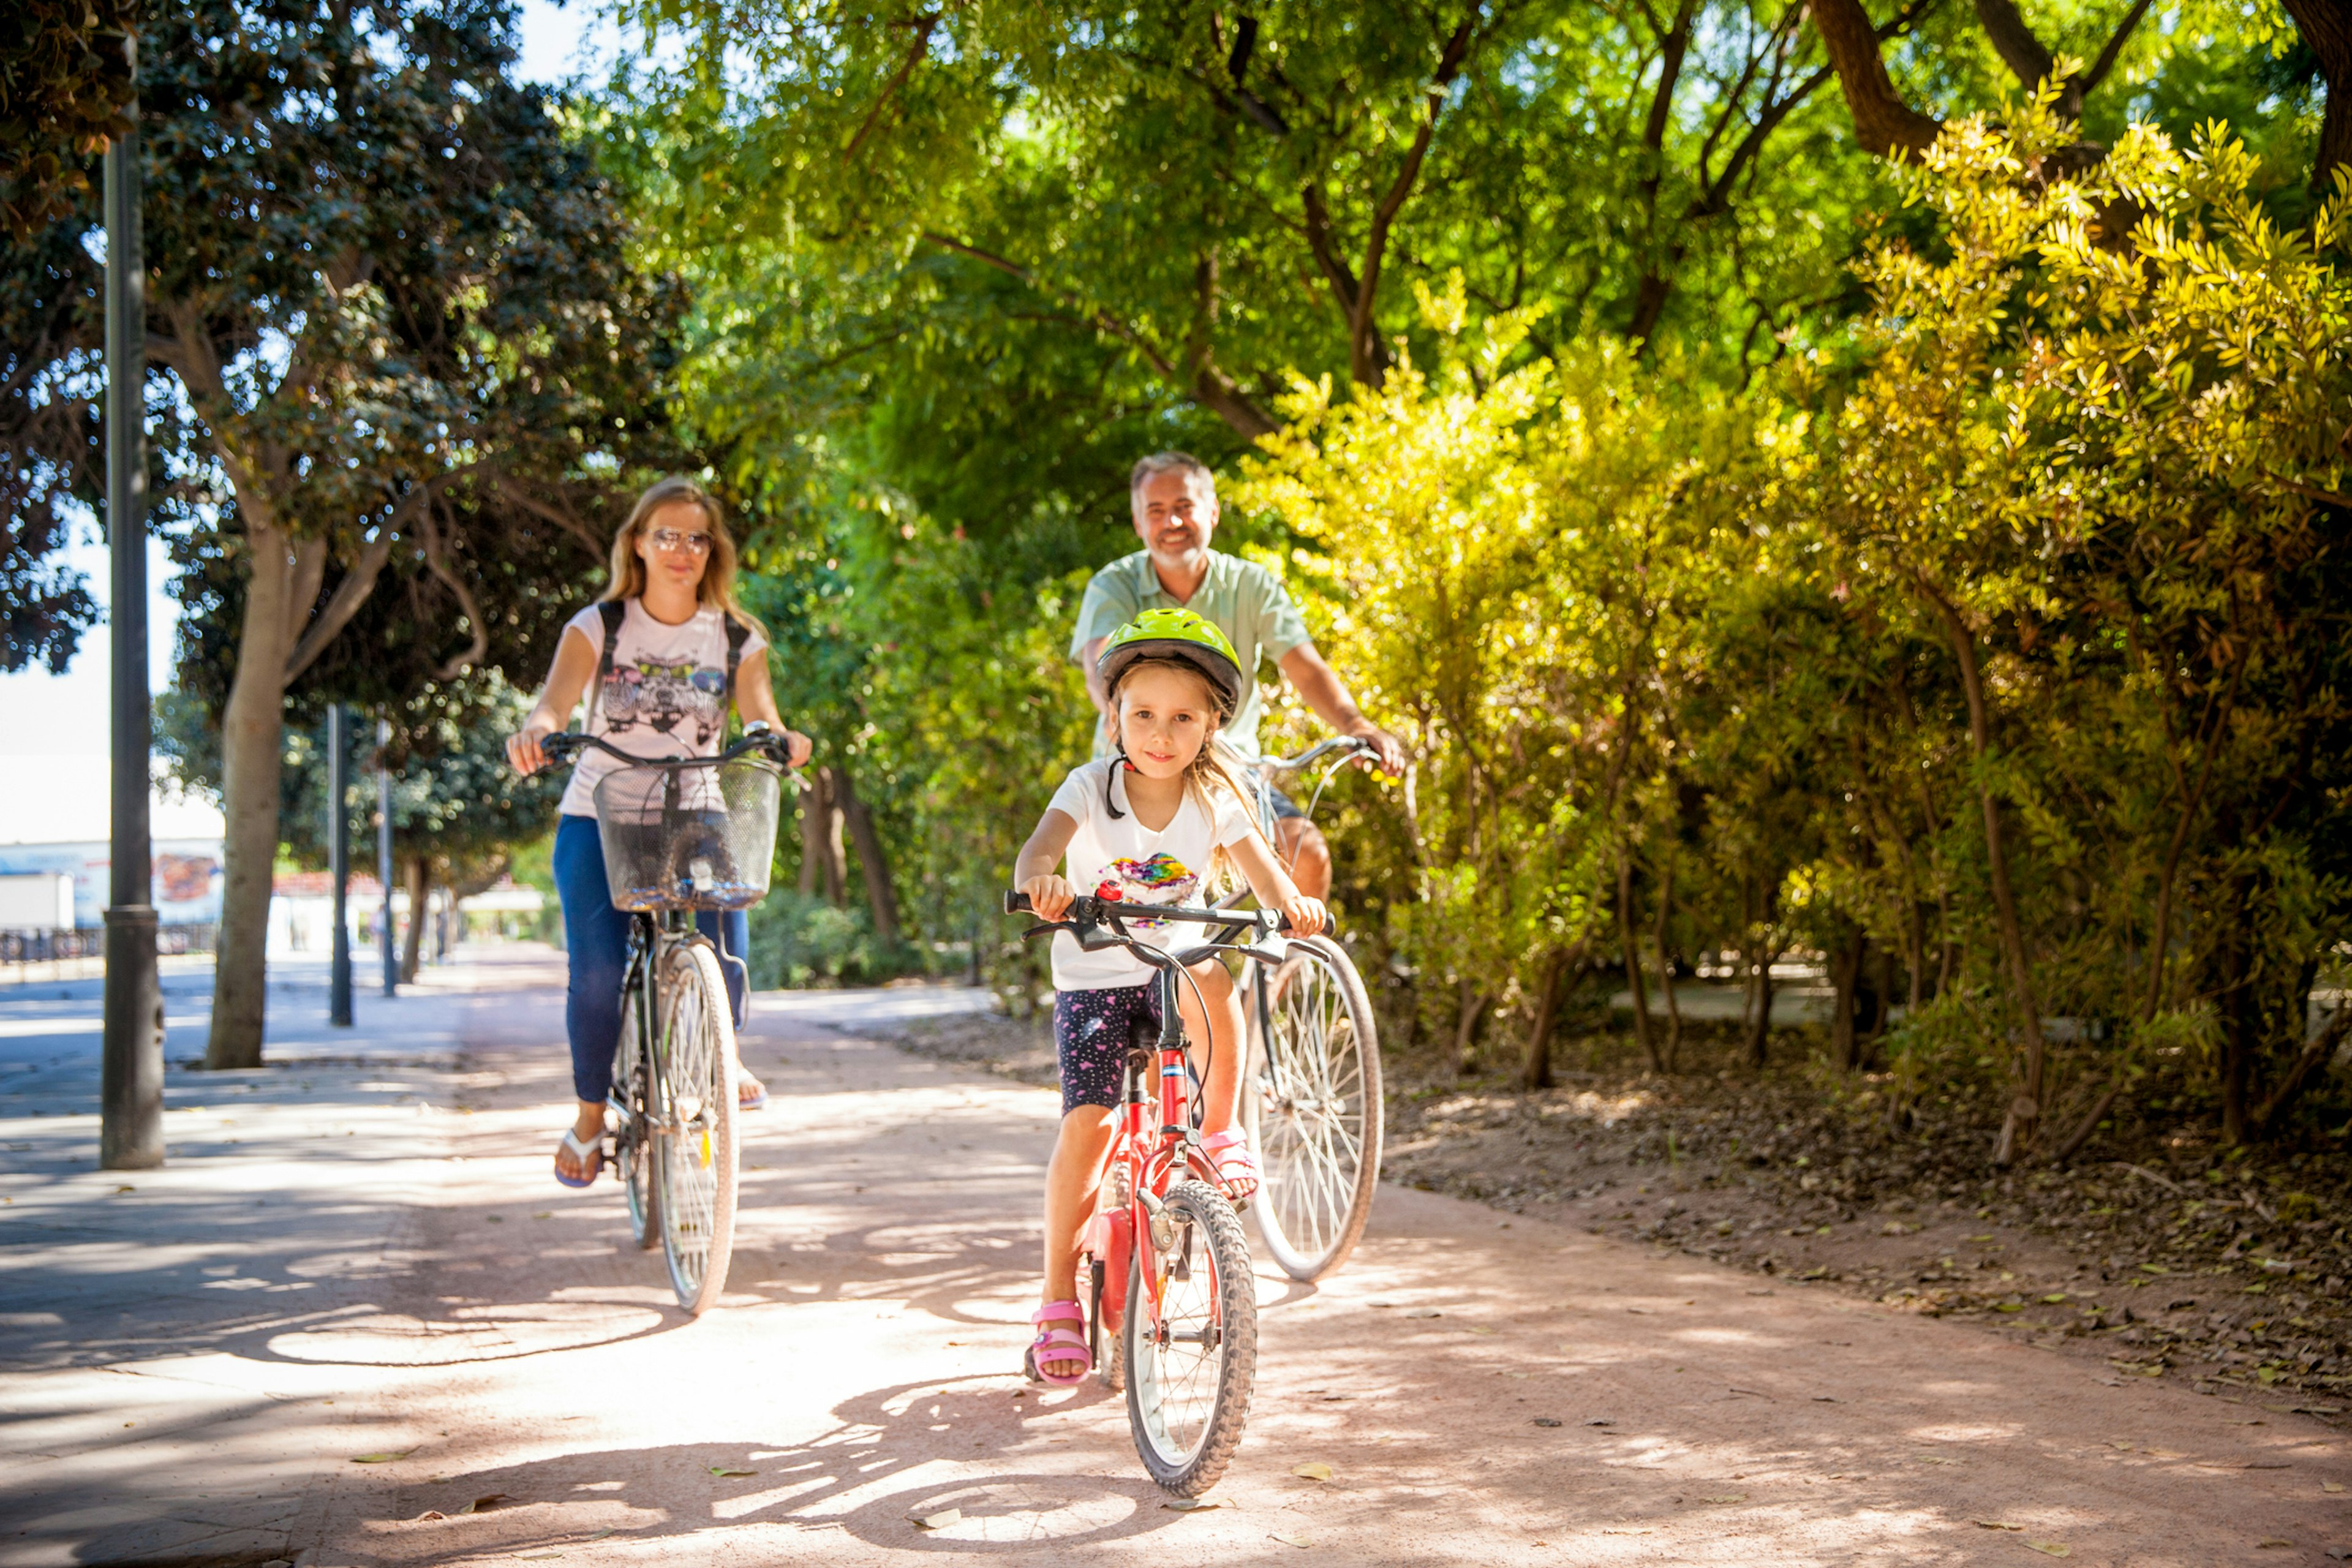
674	539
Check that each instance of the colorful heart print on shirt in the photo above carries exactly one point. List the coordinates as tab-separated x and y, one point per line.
1162	879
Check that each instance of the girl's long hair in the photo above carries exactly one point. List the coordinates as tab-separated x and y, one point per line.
718	586
1214	768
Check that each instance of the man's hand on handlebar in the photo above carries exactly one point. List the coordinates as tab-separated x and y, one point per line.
1049	896
1386	755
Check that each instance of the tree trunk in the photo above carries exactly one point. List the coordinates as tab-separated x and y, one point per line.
821	850
1760	1023
1465	1028
2025	1098
252	756
1845	970
1666	970
1914	956
412	940
873	869
2327	28
1634	961
1534	1065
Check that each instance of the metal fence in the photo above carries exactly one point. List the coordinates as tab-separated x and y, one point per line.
78	954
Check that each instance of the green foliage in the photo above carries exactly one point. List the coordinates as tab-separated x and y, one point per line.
64	84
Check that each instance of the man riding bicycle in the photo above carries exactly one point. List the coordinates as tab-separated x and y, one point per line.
1173	498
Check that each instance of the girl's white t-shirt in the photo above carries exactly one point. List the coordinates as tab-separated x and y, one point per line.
665	695
1170	866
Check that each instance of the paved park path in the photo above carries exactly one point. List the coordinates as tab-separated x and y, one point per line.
360	1253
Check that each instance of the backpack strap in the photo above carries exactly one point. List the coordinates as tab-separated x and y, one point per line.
612	612
738	634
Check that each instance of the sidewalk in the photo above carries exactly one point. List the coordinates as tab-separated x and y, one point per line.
355	1323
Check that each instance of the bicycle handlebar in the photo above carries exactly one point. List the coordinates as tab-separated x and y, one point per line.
1314	753
565	744
1088	913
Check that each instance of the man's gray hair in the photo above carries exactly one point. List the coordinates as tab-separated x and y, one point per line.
1169	463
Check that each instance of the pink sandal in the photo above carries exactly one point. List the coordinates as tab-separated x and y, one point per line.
1058	1345
1229	1152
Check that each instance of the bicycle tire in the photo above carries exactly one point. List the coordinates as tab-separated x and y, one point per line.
633	1139
1314	1110
1185	1429
697	1144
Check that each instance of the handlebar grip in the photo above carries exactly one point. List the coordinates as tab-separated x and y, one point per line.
562	745
1016	903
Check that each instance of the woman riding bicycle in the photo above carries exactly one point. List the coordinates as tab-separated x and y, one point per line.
664	648
1156	822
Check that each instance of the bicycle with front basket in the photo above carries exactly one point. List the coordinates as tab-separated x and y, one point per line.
1187	1351
682	836
1311	1099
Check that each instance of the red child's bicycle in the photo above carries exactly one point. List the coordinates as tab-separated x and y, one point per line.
1187	1342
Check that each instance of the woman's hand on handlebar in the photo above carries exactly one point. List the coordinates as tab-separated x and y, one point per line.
523	749
1304	916
1049	896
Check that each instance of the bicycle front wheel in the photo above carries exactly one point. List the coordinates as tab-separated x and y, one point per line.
1191	1366
1314	1110
638	1110
694	1148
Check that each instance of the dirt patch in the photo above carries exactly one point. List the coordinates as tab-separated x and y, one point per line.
2226	1269
1018	1048
2184	1261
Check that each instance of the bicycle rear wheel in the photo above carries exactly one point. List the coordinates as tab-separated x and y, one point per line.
1190	1371
634	1091
1314	1110
695	1151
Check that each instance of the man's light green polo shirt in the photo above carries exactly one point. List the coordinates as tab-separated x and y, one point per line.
1243	599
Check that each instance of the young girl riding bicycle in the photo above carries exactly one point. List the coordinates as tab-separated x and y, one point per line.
1162	820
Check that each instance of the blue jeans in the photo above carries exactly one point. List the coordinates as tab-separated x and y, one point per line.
596	940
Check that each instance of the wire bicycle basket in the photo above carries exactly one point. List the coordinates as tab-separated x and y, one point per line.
689	835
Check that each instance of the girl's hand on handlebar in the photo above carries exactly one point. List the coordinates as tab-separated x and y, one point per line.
523	749
802	747
1049	896
1307	916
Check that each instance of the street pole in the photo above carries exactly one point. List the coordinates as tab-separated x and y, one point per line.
339	861
131	1073
383	852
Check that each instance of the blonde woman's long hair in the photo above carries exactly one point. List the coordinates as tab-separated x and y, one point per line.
718	586
1213	768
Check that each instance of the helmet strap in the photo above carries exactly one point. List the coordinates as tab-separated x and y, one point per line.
1110	783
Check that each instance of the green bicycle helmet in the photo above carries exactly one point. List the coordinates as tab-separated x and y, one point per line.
1179	635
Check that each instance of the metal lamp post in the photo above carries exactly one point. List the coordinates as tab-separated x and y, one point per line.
338	861
383	852
130	1089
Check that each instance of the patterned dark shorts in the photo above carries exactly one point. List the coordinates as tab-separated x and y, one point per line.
1091	1029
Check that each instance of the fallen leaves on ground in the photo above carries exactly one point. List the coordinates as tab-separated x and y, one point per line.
1314	1471
380	1459
485	1502
1996	1524
2051	1548
939	1520
1547	1421
1287	1539
730	1470
1725	1496
1192	1504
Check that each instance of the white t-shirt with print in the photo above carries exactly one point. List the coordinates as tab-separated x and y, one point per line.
665	695
1170	866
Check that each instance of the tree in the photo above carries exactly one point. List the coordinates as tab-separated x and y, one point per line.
65	92
408	347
